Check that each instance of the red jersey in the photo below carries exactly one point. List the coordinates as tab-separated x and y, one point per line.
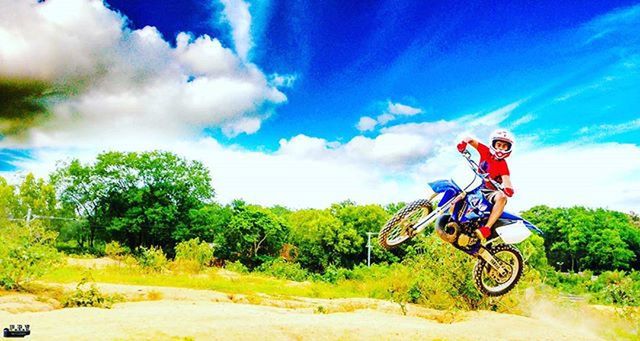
497	168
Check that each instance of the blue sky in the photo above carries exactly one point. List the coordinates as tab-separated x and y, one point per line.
360	90
445	57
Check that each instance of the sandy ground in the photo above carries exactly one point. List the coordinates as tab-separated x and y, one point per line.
206	315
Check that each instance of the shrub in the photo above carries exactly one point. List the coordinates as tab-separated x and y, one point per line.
236	266
152	258
195	251
282	269
442	276
615	287
334	274
130	261
185	266
115	250
26	253
91	297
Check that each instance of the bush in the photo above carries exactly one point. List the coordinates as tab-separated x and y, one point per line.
282	269
441	276
615	287
91	297
115	250
334	274
573	283
195	251
152	259
26	253
236	266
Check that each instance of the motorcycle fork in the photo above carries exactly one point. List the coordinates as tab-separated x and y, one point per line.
492	261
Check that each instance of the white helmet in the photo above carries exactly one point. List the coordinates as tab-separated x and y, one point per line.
504	136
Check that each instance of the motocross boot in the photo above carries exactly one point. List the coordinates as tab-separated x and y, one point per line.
483	233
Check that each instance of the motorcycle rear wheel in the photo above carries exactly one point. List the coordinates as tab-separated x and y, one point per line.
399	228
486	278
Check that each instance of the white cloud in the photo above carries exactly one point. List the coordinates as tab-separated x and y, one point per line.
619	21
492	118
593	175
285	81
236	12
247	125
123	86
402	109
366	123
385	118
604	130
522	120
389	114
396	166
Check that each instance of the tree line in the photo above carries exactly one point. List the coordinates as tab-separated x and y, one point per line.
160	199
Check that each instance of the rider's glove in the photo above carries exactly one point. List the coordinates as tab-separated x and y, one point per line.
462	146
508	191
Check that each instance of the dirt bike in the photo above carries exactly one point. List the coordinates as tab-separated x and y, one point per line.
457	213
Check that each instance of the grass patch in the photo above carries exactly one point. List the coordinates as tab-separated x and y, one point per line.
247	284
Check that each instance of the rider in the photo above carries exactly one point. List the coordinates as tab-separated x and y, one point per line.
501	144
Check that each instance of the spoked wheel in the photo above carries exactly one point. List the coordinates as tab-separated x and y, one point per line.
400	227
489	281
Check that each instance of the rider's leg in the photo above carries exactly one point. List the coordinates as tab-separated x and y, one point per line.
498	208
499	202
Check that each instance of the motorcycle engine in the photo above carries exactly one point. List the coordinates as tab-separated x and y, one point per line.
447	230
461	236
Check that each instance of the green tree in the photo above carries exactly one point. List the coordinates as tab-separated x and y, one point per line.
26	253
253	235
37	195
322	240
392	208
204	223
138	199
364	219
578	238
8	201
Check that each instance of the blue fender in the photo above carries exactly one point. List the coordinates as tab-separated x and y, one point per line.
448	187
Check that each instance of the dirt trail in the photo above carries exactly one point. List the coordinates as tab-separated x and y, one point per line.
208	315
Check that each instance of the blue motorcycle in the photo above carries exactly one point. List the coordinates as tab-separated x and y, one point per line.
456	213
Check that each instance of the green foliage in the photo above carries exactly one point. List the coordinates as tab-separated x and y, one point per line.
26	253
203	222
363	219
322	239
152	258
282	269
138	199
253	235
91	297
333	274
200	253
441	276
616	287
115	250
578	238
609	287
392	208
236	266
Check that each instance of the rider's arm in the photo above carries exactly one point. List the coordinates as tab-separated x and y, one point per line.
506	182
472	142
467	140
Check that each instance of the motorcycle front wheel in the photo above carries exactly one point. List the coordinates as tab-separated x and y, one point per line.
489	281
399	228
